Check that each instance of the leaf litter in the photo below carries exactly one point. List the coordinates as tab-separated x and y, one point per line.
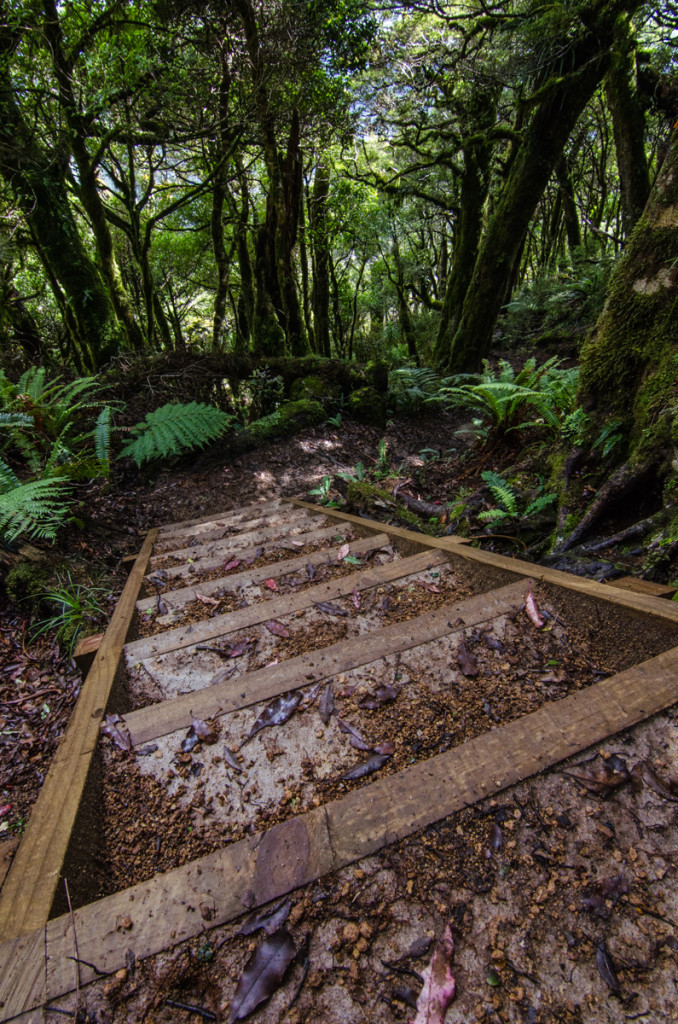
263	973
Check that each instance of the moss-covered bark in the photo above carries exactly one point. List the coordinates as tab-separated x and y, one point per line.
628	122
556	107
630	362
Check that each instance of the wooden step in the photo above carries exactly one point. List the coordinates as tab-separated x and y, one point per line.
269	865
233	515
275	570
298	526
220	553
160	719
229	622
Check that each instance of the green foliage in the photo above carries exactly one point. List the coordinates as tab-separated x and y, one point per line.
49	424
501	492
504	398
259	395
609	437
75	607
412	386
508	501
35	509
322	491
173	429
558	303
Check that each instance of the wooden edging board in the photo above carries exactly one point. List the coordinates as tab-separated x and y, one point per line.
157	720
177	905
27	894
644	603
242	618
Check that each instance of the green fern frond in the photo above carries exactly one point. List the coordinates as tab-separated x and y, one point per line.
8	478
501	492
493	516
539	504
11	420
36	510
172	429
102	439
32	383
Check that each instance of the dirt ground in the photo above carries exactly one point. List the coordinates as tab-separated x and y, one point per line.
561	892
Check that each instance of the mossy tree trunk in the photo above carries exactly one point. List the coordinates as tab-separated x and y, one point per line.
275	250
321	258
556	106
38	181
475	179
628	123
77	123
629	365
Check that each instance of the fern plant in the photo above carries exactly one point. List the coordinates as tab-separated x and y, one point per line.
507	500
173	429
49	423
35	509
503	397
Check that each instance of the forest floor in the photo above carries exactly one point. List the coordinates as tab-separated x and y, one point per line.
561	893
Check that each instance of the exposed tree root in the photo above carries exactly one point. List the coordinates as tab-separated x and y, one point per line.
639	529
621	483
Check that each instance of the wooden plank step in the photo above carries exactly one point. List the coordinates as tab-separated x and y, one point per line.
165	910
209	531
275	570
277	607
210	562
639	586
27	894
294	527
231	515
646	604
157	720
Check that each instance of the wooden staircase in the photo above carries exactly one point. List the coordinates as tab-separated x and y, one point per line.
296	568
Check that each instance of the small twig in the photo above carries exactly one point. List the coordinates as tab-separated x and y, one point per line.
205	1014
75	947
496	536
86	963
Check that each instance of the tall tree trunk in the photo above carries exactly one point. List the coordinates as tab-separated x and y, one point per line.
628	123
474	185
321	257
570	213
558	105
628	367
88	186
38	182
406	326
219	187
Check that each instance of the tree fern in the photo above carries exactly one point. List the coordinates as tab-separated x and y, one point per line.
173	428
36	509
